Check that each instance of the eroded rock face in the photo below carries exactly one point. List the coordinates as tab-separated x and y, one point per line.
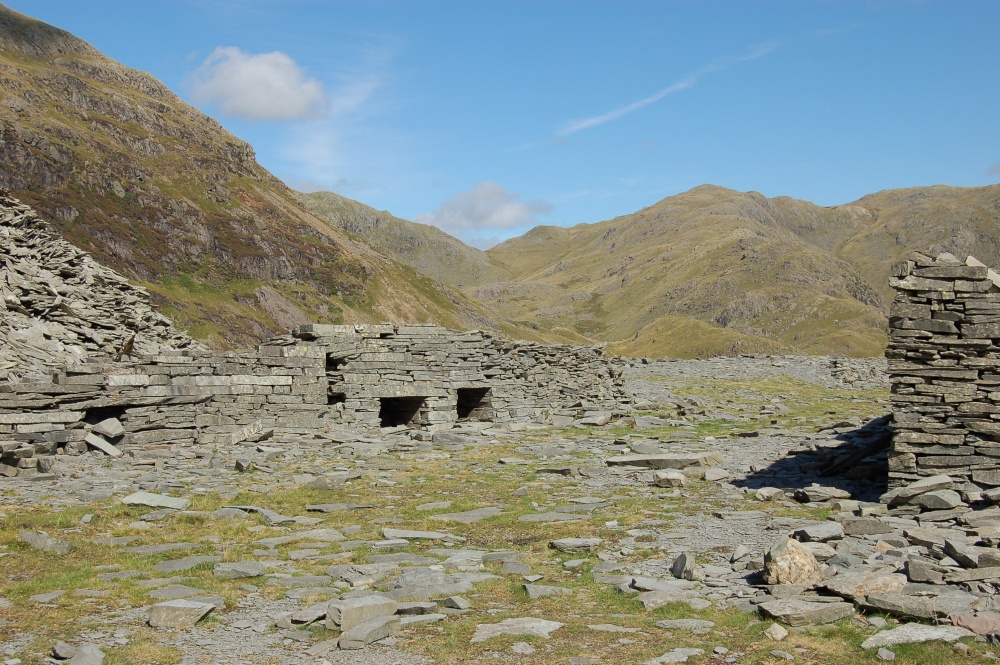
789	562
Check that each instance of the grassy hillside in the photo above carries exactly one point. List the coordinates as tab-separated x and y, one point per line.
715	271
428	249
163	194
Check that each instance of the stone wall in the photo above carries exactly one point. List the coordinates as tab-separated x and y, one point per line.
944	367
304	385
498	380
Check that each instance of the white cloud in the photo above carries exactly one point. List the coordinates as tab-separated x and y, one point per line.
262	86
482	214
574	126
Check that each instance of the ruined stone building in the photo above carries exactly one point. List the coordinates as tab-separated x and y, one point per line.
314	382
87	363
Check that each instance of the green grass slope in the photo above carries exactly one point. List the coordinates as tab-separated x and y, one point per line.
715	271
160	192
428	249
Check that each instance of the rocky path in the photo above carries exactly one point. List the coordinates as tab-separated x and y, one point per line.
588	544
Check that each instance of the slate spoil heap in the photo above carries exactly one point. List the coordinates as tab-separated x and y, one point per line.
59	306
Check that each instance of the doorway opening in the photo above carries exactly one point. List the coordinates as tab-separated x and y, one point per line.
474	404
396	411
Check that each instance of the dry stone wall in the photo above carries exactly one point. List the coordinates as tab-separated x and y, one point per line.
305	385
431	376
944	366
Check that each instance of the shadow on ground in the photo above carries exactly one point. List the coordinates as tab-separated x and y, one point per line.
857	464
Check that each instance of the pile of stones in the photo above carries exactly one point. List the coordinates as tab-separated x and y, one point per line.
867	560
60	306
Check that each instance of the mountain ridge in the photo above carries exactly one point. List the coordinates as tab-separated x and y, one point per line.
792	276
162	193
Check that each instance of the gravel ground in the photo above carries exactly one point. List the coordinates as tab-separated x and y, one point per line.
712	521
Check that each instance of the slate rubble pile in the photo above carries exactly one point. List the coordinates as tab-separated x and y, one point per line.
59	306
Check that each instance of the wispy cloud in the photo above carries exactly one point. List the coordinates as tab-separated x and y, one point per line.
257	86
574	126
993	170
344	148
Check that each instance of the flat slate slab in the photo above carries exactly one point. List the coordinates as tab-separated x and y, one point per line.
270	516
523	626
405	534
667	460
370	631
319	535
573	545
156	501
178	613
541	590
238	570
916	632
950	601
98	442
797	612
47	597
300	580
435	505
469	516
336	507
696	626
857	585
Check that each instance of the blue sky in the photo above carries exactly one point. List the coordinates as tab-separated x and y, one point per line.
488	118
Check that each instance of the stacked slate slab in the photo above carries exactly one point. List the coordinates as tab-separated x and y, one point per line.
322	377
458	375
944	367
58	305
162	403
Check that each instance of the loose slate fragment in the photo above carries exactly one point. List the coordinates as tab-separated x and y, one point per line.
178	613
156	501
43	541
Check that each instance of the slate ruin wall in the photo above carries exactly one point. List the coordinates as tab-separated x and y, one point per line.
306	384
944	368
